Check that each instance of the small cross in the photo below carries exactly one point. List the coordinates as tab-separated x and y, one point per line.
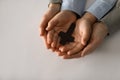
67	37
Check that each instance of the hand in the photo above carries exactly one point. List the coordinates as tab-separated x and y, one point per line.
76	46
82	34
49	14
85	24
61	22
99	32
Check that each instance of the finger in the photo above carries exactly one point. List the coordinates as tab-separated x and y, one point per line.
58	43
53	49
50	36
85	36
76	49
53	44
43	25
52	23
57	51
78	55
45	39
67	47
90	47
55	39
57	48
61	53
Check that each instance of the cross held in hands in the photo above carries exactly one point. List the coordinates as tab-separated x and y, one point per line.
66	37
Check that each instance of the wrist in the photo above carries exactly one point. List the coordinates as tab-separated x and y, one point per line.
52	5
69	13
55	1
89	17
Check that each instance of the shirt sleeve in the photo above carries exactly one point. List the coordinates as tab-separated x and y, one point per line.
76	6
100	7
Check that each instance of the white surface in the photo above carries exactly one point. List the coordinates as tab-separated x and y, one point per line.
23	55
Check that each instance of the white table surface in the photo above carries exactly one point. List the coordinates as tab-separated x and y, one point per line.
23	55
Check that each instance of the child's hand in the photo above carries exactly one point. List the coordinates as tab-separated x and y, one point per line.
61	22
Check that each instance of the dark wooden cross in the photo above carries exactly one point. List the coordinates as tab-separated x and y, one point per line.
66	37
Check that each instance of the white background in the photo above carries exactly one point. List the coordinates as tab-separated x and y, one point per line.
23	55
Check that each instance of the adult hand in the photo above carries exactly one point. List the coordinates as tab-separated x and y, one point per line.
61	22
99	32
82	34
85	26
49	14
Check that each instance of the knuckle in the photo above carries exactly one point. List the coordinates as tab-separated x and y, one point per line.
50	22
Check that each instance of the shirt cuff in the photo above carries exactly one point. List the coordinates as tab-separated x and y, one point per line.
76	6
55	1
101	7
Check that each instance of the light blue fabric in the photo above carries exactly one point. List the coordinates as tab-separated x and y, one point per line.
99	8
76	6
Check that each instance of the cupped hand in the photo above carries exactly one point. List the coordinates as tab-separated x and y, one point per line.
48	15
98	34
100	31
81	34
84	27
60	22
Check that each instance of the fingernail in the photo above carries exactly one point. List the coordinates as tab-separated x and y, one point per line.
60	49
52	45
69	53
47	29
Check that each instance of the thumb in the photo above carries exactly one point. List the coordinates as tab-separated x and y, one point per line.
91	46
85	36
51	24
43	25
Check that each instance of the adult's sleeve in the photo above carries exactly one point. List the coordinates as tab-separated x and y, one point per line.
76	6
100	7
55	1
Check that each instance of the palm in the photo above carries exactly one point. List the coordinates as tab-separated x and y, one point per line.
83	28
75	46
99	33
61	22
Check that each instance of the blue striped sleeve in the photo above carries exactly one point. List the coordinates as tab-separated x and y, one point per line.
76	6
100	7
